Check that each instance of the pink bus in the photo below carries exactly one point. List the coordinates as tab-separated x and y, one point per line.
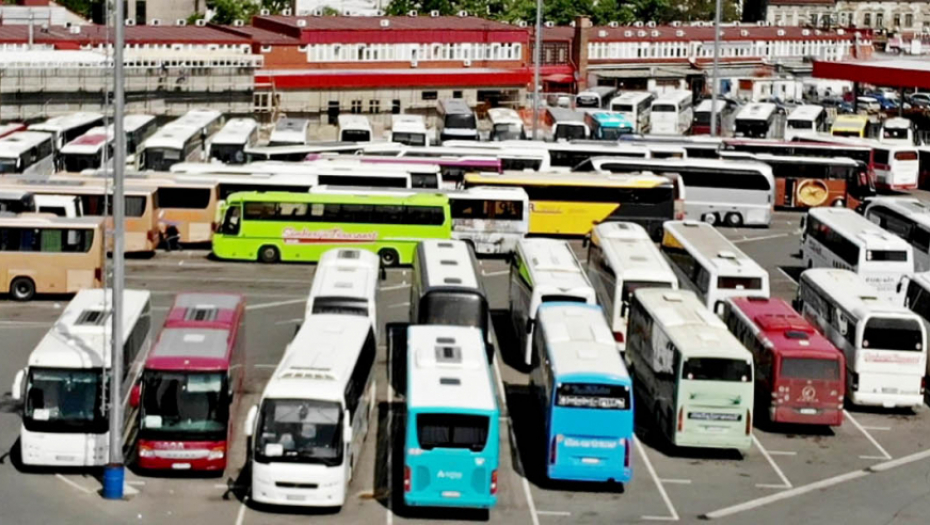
192	381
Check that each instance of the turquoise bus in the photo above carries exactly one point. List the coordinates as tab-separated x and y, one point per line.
452	438
608	126
585	394
300	227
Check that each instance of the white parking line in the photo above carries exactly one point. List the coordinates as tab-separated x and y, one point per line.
785	483
262	306
26	324
762	238
241	516
394	287
553	513
782	453
875	428
78	486
399	305
676	481
494	274
786	275
673	515
289	321
868	436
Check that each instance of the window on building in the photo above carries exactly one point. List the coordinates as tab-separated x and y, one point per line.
356	106
867	20
332	112
374	106
457	94
814	19
896	20
395	107
908	20
880	20
430	95
140	12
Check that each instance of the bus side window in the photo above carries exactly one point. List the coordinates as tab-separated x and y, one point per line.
232	221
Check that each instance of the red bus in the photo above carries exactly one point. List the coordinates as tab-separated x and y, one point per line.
192	380
800	375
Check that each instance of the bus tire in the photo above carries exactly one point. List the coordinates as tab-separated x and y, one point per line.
734	220
710	218
23	289
268	254
389	257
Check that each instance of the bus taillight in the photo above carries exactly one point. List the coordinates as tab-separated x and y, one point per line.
627	445
494	482
553	450
618	337
98	274
407	483
854	383
748	422
923	384
681	419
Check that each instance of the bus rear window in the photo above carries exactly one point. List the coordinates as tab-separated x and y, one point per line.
739	283
800	124
589	395
664	108
452	431
340	305
462	308
886	255
892	334
631	286
716	369
826	369
563	299
905	155
184	198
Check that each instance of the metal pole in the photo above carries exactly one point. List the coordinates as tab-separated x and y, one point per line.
113	473
537	55
714	82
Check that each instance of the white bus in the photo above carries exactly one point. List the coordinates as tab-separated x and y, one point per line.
290	132
621	259
228	184
456	120
299	152
354	128
409	130
596	97
346	282
898	130
367	171
182	140
542	271
909	219
566	124
27	153
755	120
307	433
64	421
525	155
229	144
710	265
841	238
885	344
87	151
636	106
806	119
66	128
506	124
735	193
671	113
137	128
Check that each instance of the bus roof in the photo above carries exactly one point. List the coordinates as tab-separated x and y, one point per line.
852	293
859	230
290	131
599	91
768	157
673	165
419	199
406	123
693	329
449	264
504	116
911	207
80	337
11	127
756	111
191	349
62	122
829	143
631	252
454	105
205	310
552	263
897	123
609	119
236	131
354	122
89	143
318	363
14	145
346	272
566	116
465	162
707	105
579	342
710	247
133	122
789	332
631	97
522	178
448	369
32	220
806	112
180	130
73	186
674	96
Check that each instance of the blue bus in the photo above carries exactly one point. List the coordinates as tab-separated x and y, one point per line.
452	443
605	125
585	393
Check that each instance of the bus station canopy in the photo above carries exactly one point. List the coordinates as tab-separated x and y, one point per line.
893	72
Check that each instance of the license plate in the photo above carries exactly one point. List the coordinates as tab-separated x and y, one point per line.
451	494
590	461
889	390
715	430
181	466
64	458
714	416
809	411
295	497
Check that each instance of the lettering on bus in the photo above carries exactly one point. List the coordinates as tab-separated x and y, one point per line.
873	357
590	443
305	236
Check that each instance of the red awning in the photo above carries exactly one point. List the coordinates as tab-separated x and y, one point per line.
559	79
899	72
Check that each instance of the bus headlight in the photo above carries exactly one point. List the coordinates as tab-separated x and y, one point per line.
217	453
146	451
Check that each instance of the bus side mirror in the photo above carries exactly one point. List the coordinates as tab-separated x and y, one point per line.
382	273
17	390
803	222
346	428
719	308
250	421
135	396
904	280
586	240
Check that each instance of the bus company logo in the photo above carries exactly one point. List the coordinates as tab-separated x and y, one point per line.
892	359
442	474
808	394
305	236
589	443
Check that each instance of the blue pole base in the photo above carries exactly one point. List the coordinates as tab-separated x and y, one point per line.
113	477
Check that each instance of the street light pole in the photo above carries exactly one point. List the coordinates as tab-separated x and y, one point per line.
537	54
714	88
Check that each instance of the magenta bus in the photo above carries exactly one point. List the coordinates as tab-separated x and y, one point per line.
192	381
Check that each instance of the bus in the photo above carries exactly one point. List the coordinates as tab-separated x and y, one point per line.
192	385
543	271
229	144
694	147
409	130
506	124
565	124
576	155
850	126
50	255
17	201
346	283
66	128
307	434
898	130
451	169
229	184
719	191
596	97
756	120
298	152
703	112
806	119
278	226
354	128
841	238
692	375
710	265
27	153
909	219
894	167
885	344
621	259
137	129
636	107
671	113
571	203
456	120
585	395
607	126
182	140
452	437
526	155
446	289
65	422
800	375
88	151
362	171
11	127
290	132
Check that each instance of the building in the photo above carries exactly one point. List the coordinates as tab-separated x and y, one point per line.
879	15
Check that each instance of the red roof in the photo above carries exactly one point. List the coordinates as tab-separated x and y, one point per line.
784	327
97	34
900	72
259	35
396	78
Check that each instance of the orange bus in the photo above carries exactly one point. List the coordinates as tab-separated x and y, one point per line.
43	254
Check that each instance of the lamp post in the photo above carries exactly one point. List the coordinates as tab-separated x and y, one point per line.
537	54
714	82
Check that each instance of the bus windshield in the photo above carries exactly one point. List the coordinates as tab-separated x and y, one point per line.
716	369
589	395
587	101
801	124
340	305
183	404
886	255
64	400
9	165
664	108
613	133
356	135
410	139
466	121
892	334
569	132
702	118
454	308
300	431
800	368
452	431
78	163
848	133
228	153
161	159
895	133
508	132
739	283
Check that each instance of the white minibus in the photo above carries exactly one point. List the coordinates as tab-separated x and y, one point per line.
346	282
456	120
755	120
671	113
506	124
806	119
636	106
354	128
409	130
290	132
898	130
229	144
595	97
566	124
909	219
27	153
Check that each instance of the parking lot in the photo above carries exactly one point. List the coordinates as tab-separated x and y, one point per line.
870	470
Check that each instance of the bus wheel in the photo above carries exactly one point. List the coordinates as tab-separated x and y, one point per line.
734	220
710	218
389	257
23	289
269	254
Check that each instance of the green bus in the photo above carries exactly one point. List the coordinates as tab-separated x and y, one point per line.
280	226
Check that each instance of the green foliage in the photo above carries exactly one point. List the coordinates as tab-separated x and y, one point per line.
330	11
225	11
81	7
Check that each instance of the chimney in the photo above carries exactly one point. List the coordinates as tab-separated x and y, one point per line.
580	51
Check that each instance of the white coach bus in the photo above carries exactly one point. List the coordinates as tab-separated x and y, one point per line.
346	282
909	219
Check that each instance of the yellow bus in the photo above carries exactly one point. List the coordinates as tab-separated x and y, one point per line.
850	126
572	203
44	254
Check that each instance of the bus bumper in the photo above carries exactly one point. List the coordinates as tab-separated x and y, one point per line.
596	474
704	440
430	499
297	485
64	449
199	456
831	416
886	400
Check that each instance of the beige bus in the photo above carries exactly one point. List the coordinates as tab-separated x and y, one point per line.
142	233
44	254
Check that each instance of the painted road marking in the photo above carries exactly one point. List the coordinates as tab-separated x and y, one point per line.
782	453
394	287
494	274
762	238
786	275
868	436
241	516
290	321
785	483
262	306
77	486
875	428
673	515
400	305
676	481
553	513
